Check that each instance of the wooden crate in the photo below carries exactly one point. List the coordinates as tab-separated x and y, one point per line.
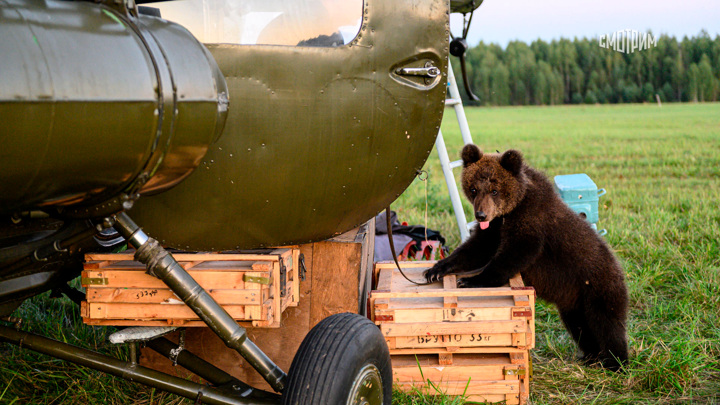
253	287
442	316
481	377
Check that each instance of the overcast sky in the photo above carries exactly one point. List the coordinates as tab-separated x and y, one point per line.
501	21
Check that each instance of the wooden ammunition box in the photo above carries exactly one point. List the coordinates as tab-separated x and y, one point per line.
455	341
442	316
253	287
480	377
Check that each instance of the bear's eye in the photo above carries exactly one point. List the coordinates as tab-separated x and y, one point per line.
473	191
494	192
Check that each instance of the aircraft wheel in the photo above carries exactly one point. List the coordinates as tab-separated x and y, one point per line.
344	360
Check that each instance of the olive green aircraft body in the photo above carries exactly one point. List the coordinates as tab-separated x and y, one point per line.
215	125
317	139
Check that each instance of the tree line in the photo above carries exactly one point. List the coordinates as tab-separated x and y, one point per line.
581	71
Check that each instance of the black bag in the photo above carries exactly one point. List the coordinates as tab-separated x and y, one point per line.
409	240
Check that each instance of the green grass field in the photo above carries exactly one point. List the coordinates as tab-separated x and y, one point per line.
661	167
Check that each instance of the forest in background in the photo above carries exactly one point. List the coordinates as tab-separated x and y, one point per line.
580	71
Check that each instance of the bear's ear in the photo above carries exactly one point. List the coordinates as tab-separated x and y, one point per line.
470	154
512	161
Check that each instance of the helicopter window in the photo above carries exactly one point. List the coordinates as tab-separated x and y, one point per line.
324	23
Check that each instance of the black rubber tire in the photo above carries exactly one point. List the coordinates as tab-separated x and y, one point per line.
331	357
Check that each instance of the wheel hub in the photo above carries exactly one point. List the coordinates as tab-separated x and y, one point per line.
367	387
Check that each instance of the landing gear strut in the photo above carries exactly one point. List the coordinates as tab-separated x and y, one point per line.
162	265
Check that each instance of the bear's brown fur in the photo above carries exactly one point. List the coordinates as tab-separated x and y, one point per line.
524	227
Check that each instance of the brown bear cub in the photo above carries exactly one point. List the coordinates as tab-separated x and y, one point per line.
524	227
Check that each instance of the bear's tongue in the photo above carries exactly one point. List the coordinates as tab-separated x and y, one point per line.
484	225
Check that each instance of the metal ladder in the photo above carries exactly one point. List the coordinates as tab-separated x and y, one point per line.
447	166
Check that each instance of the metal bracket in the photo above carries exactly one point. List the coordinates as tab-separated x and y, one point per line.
522	314
126	7
133	353
93	281
283	277
174	353
303	268
520	372
17	322
124	201
256	279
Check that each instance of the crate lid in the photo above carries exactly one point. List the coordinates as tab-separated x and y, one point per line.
580	181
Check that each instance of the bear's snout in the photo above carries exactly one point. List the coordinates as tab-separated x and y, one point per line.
480	215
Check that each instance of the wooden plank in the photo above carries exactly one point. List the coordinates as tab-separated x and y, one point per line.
96	264
531	335
415	270
382	304
460	350
335	278
438	374
479	367
141	322
286	301
447	341
384	281
347	237
400	283
156	322
527	314
456	292
166	296
490	399
446	314
153	311
421	264
519	357
525	383
516	281
367	255
379	312
469	387
216	265
453	328
139	279
276	303
519	339
445	359
189	265
463	302
192	257
450	282
84	309
257	312
267	315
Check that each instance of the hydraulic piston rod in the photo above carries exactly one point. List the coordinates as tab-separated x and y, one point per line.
161	264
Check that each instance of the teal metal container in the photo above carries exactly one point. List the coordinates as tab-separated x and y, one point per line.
581	194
